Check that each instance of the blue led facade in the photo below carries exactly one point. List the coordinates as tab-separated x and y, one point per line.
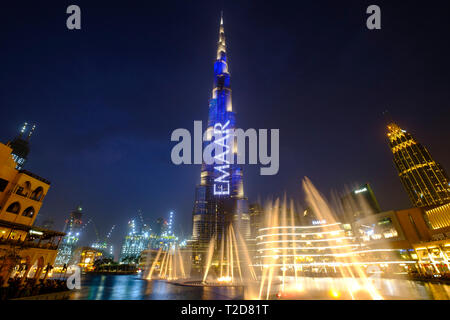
219	197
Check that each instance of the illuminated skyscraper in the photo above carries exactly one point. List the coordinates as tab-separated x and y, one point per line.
424	179
136	240
72	229
105	246
219	198
161	226
20	146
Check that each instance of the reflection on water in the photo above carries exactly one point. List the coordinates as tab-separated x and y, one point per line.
132	287
340	288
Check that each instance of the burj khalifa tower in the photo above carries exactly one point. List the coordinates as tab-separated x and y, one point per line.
219	198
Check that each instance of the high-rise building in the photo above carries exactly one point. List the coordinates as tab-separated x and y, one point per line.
136	241
160	227
20	146
72	229
163	235
359	203
219	198
256	219
425	181
105	246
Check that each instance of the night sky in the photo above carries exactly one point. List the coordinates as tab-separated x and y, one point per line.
107	97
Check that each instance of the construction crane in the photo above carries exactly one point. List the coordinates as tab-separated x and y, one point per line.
140	217
110	232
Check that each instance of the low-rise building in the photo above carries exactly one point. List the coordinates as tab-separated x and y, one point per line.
25	249
85	257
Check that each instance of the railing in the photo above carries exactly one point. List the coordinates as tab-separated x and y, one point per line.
31	174
13	190
28	244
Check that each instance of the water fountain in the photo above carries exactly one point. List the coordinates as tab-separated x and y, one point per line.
169	263
294	260
323	249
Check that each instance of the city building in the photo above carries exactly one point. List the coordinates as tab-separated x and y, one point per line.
85	257
324	249
136	241
416	231
160	226
399	228
439	219
358	203
72	229
20	146
164	234
105	246
219	198
434	255
24	247
256	213
425	181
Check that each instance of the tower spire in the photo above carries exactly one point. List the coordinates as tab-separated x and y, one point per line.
24	128
31	131
221	46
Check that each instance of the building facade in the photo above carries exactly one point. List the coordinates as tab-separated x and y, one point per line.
425	181
85	257
25	249
20	146
72	229
136	241
419	233
219	198
324	249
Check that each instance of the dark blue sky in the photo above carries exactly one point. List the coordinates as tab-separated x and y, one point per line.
106	98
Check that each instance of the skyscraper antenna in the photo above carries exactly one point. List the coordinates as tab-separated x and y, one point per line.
24	128
141	217
31	131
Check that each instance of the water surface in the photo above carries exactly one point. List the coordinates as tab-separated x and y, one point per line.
132	287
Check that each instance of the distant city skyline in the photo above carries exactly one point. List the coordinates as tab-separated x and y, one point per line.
105	99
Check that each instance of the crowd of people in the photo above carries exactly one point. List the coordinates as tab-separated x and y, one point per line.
15	289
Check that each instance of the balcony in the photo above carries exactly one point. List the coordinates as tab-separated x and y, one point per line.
25	244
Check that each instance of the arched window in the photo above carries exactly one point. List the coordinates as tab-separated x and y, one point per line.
25	189
37	194
28	212
13	208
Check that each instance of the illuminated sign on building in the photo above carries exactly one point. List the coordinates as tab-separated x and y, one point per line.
222	163
360	190
317	222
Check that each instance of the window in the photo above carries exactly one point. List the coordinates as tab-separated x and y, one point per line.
13	208
20	191
28	212
3	184
37	194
